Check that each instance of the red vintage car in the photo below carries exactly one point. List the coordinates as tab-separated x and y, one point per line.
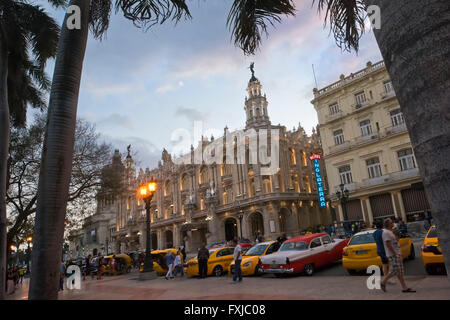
303	254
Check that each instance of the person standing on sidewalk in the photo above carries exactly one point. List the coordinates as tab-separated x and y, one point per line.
393	252
169	261
203	256
237	255
177	265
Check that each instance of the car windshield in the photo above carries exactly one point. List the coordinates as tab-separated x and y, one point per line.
214	244
256	250
299	246
433	233
362	239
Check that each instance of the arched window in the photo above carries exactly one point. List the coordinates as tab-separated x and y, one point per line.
203	177
185	182
167	188
292	156
305	163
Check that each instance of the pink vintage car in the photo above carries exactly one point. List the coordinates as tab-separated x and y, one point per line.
303	254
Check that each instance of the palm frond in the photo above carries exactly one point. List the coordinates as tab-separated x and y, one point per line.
346	19
249	19
146	13
99	17
41	30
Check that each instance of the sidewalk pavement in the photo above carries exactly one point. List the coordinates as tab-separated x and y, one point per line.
127	287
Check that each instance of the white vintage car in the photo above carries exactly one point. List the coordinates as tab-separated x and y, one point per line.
303	254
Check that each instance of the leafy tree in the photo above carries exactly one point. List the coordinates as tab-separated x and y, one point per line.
413	40
90	157
28	38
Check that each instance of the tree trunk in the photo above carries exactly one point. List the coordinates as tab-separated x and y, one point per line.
56	162
414	42
4	153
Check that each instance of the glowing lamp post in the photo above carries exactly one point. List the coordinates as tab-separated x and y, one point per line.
146	193
29	241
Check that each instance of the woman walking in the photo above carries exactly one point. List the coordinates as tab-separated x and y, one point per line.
169	261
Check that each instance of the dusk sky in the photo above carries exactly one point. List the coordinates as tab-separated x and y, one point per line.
139	87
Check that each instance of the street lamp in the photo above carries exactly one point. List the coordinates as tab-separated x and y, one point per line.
343	197
29	241
146	193
240	216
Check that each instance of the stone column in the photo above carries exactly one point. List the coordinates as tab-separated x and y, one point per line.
340	212
367	210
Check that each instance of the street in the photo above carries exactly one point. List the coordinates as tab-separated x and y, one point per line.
332	282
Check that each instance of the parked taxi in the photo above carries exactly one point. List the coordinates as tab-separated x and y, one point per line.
361	251
432	257
218	262
249	263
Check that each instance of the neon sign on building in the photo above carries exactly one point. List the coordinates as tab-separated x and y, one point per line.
319	181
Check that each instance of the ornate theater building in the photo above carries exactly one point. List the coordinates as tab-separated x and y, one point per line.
216	202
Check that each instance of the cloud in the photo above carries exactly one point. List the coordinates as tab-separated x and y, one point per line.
190	114
115	120
165	89
111	89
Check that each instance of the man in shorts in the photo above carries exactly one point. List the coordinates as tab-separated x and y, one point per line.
393	252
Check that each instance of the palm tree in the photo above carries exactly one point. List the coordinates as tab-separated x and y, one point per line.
28	38
413	40
57	151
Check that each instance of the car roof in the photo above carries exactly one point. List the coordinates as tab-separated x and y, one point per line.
365	232
306	238
266	242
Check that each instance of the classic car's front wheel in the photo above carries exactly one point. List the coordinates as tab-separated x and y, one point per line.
257	270
309	269
218	271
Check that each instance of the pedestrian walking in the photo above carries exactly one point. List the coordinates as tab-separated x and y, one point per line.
282	238
169	262
62	274
237	256
101	267
11	288
203	256
21	272
87	268
378	237
393	252
178	265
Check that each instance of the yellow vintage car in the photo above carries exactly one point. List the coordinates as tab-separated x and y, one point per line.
249	263
122	264
432	257
159	261
218	262
361	251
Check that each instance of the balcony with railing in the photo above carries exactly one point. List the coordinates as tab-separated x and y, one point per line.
361	105
389	178
395	129
339	147
387	95
334	116
365	139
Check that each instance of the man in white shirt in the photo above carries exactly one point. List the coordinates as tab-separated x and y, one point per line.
393	253
237	255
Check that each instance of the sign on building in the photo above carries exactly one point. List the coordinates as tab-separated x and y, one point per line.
319	181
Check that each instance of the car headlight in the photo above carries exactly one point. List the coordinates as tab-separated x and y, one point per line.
247	264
